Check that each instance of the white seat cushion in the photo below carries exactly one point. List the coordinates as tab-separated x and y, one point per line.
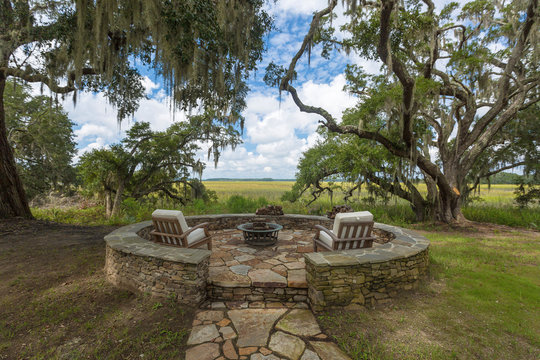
326	239
161	213
352	218
195	236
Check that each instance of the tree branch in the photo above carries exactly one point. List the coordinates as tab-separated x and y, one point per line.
34	77
504	86
398	68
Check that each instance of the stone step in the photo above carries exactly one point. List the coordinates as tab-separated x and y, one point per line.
253	293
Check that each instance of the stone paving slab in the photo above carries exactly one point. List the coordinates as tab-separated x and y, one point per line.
234	262
254	325
287	345
328	351
299	322
262	333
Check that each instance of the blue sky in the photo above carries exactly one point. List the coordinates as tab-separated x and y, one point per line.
275	134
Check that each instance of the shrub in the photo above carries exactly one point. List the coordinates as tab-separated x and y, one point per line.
238	204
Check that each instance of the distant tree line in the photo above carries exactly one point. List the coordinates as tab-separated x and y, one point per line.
510	178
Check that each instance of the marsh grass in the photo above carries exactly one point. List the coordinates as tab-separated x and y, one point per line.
492	204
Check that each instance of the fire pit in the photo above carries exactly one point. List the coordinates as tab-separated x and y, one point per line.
260	233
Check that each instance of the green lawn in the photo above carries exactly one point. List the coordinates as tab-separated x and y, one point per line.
482	302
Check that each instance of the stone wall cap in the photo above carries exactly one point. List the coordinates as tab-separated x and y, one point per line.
126	240
253	215
407	243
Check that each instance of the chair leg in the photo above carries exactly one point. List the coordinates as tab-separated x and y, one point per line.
210	244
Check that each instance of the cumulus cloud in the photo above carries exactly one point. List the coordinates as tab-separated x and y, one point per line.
279	132
294	7
96	123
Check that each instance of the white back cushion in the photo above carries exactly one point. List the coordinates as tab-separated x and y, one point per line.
161	213
352	219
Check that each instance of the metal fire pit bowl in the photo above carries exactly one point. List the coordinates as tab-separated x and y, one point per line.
260	234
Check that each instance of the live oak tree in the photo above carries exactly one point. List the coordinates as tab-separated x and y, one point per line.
147	162
203	50
42	139
455	81
357	165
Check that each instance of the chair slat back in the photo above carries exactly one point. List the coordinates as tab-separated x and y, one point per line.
166	225
354	230
354	235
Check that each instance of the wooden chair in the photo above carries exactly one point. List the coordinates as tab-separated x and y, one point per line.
170	228
350	231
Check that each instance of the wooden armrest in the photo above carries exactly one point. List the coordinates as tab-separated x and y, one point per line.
325	230
154	232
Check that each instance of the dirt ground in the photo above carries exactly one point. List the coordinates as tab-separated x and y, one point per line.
55	302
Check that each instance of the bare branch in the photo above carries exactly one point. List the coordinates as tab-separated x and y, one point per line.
33	77
504	86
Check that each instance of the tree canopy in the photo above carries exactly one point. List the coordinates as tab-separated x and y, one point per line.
147	162
42	138
203	50
461	84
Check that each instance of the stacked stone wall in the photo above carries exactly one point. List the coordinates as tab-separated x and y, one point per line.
185	283
367	276
334	279
163	271
257	293
363	284
231	221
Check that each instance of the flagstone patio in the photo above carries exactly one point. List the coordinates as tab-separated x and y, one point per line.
234	331
253	273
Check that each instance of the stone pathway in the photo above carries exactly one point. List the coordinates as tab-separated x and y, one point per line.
263	314
236	331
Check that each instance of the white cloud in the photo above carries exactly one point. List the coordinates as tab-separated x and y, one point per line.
96	124
149	85
294	7
280	132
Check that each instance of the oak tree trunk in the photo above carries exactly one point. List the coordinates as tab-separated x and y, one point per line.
13	202
449	207
108	203
118	199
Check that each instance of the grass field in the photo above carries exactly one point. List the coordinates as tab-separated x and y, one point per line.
273	190
482	302
493	204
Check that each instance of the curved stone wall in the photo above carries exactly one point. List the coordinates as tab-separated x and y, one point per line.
344	278
370	276
165	271
288	221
